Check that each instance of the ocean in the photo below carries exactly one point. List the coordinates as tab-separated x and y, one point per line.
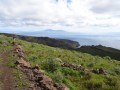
108	41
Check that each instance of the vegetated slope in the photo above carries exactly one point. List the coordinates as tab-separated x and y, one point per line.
48	59
71	45
61	43
101	51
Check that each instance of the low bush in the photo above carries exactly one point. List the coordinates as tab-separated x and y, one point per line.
57	76
117	70
32	58
52	65
68	71
94	84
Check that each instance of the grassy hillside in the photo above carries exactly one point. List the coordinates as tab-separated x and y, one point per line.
101	51
61	43
72	45
47	56
48	59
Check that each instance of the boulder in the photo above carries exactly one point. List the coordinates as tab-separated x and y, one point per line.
61	87
20	55
95	71
36	67
102	71
45	82
22	62
40	72
19	47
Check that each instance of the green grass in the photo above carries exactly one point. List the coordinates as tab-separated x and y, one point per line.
101	51
20	79
75	80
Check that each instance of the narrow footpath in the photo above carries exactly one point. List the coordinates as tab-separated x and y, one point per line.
5	72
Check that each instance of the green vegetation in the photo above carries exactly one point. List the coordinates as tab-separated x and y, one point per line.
101	51
20	79
61	43
48	58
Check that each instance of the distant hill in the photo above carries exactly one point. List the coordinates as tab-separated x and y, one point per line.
48	33
101	51
61	43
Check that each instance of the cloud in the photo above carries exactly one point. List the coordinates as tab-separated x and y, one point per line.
106	6
59	14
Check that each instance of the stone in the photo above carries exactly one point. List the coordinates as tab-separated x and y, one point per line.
95	71
22	62
102	71
36	67
61	87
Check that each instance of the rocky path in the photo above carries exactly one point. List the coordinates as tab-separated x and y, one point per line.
34	73
6	72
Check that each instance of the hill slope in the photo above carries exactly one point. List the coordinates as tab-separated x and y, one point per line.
46	56
61	43
101	51
72	45
48	59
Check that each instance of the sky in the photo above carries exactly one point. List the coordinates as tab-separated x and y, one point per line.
85	16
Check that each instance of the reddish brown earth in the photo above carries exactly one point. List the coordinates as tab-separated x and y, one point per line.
6	76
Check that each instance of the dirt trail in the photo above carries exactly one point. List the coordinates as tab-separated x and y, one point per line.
6	76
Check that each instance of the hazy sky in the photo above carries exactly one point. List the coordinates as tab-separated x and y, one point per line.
89	16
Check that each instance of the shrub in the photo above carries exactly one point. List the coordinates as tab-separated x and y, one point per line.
94	84
117	70
52	65
57	76
88	76
32	58
107	57
113	82
70	72
32	45
90	64
70	84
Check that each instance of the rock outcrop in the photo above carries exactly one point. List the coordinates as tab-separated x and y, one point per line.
99	71
73	66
